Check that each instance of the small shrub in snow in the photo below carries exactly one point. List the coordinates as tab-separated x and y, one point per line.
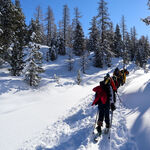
78	80
56	78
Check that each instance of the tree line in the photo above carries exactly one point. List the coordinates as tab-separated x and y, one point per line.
20	43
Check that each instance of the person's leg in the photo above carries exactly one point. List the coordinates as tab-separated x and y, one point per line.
100	118
107	120
114	96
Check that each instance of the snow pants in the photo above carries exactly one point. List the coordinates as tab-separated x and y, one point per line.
104	113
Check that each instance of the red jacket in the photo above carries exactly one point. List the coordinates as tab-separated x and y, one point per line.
101	95
113	85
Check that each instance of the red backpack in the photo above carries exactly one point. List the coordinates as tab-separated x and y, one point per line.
100	95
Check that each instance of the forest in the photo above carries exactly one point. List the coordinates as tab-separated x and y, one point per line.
20	43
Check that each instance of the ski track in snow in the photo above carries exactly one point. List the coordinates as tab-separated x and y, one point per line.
74	131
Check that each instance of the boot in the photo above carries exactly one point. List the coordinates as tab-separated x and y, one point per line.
99	130
107	125
107	128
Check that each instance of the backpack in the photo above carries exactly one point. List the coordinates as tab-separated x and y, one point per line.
100	94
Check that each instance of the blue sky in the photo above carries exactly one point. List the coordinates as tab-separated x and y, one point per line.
133	10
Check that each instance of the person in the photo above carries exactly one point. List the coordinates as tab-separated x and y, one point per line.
124	72
117	73
113	83
104	100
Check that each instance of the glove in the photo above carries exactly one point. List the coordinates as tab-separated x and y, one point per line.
113	107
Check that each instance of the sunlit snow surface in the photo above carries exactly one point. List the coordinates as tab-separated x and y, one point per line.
58	115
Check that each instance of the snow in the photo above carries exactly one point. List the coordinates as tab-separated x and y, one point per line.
59	115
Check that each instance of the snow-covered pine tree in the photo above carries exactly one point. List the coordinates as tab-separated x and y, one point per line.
147	19
53	50
39	18
49	25
123	31
127	51
84	61
143	52
109	45
134	42
94	40
33	63
77	16
104	26
35	27
70	36
61	45
94	37
117	42
65	24
7	26
75	21
17	54
110	36
70	59
1	31
78	45
17	4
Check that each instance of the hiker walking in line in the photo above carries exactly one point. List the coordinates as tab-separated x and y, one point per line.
105	102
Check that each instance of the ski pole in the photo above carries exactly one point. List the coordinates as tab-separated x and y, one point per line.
96	119
110	123
120	99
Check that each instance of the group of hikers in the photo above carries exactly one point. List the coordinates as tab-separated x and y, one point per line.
105	96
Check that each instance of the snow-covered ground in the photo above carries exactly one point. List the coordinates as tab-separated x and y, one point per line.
58	115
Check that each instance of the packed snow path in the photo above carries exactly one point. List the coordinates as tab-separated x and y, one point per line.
74	131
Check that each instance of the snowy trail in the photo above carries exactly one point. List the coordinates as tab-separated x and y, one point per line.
74	131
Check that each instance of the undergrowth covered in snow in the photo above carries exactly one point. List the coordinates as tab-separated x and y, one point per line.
58	114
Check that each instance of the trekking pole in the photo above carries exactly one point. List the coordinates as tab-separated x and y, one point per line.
120	100
96	120
111	112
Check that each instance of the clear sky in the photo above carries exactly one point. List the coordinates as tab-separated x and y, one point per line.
133	10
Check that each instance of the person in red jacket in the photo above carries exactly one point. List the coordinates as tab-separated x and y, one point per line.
104	100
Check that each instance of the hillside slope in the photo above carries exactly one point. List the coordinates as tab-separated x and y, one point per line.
58	115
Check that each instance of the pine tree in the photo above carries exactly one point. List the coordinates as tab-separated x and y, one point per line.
147	19
7	26
133	43
143	52
17	4
94	41
61	45
65	24
94	37
79	79
39	19
127	51
36	28
17	54
33	63
84	61
78	45
124	32
104	27
77	16
70	60
1	32
50	25
117	42
53	50
111	36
